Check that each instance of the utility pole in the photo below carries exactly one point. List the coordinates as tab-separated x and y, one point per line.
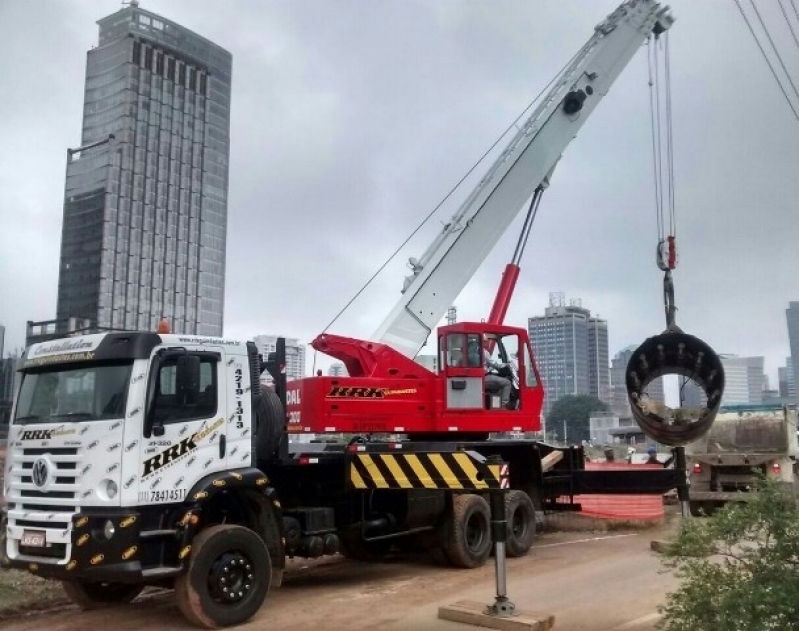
565	434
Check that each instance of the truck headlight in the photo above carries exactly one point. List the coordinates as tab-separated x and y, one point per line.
108	529
111	489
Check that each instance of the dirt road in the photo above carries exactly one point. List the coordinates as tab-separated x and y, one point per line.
596	582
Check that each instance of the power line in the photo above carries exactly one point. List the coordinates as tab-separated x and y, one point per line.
765	56
774	46
790	26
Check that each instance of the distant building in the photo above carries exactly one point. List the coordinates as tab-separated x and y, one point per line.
295	354
428	361
2	339
743	380
691	395
792	317
619	403
571	350
145	204
787	384
337	370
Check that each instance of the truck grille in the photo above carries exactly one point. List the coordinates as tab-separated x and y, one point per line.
49	508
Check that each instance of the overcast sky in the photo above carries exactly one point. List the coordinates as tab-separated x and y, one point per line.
352	119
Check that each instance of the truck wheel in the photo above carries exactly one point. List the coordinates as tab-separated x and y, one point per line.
520	513
468	543
96	595
228	577
271	421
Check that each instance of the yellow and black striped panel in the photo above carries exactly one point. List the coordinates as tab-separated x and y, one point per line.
456	471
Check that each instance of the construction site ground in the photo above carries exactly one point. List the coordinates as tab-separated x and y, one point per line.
598	576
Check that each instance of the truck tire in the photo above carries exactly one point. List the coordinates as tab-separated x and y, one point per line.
520	513
88	595
468	541
270	424
227	579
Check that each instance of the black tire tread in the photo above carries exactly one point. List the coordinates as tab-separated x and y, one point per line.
456	547
519	545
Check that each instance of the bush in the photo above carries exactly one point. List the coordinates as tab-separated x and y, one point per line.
738	569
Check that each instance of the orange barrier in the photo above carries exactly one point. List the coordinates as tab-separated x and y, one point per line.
621	507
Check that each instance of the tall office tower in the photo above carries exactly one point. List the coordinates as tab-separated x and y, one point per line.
145	201
2	339
792	315
743	380
568	344
598	356
619	402
786	379
295	354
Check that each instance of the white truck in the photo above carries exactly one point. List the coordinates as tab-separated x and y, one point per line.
743	442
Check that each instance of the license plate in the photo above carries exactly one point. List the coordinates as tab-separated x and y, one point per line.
34	539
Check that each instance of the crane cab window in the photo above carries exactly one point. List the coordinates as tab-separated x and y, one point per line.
463	350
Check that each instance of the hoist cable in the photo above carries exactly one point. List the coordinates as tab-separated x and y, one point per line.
774	46
790	25
670	142
795	10
393	255
655	156
768	61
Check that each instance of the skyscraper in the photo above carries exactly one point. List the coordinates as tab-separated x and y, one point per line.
145	201
571	350
743	380
792	315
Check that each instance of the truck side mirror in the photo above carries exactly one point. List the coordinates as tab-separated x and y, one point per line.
187	379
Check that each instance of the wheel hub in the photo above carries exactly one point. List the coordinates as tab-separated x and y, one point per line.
231	577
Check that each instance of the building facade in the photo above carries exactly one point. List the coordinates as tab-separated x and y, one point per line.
787	383
571	351
295	354
743	380
145	201
792	317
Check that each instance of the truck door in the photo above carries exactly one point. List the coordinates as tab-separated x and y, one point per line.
184	430
462	362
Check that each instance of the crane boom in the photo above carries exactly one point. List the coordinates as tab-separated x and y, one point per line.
458	250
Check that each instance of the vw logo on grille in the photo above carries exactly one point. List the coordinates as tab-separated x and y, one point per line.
41	472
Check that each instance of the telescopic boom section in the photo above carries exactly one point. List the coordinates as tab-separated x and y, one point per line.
456	253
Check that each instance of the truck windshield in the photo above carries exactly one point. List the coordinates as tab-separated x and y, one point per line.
84	393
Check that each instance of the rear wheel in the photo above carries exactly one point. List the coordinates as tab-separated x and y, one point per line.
228	577
468	540
88	595
520	514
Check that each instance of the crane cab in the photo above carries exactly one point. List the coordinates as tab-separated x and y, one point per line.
469	352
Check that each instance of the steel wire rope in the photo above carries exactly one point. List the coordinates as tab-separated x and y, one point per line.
651	60
795	10
454	188
774	46
788	21
670	140
768	61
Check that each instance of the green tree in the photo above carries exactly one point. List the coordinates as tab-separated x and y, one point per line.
574	411
738	569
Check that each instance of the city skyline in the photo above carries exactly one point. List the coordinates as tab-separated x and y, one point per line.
341	143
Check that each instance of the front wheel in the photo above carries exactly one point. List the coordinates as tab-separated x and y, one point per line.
228	577
89	595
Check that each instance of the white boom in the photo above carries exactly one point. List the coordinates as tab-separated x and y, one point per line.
456	253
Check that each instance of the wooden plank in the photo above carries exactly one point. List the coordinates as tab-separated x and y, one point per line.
474	613
550	460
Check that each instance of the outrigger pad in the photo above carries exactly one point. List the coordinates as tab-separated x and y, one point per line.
674	353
